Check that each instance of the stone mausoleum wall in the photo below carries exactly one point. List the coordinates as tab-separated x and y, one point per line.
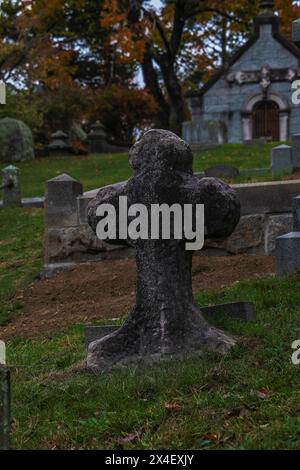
266	210
223	112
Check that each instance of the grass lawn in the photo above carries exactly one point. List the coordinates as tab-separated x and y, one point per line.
95	171
247	400
20	255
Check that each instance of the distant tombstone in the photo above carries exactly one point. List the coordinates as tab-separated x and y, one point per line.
222	171
296	151
165	321
16	140
296	31
281	158
61	201
59	144
97	138
5	419
288	246
296	214
11	186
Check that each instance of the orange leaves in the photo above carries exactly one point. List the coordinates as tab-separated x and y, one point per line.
127	40
51	65
112	14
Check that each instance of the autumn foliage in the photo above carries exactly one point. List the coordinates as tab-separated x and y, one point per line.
80	59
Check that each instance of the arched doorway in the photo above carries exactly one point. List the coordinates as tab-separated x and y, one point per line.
249	122
265	120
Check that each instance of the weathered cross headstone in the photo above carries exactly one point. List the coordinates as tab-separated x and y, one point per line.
11	186
4	407
281	158
165	320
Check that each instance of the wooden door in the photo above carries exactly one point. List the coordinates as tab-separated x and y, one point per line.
266	120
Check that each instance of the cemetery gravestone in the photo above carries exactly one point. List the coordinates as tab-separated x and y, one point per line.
281	159
165	321
222	171
296	214
11	186
296	151
288	246
296	31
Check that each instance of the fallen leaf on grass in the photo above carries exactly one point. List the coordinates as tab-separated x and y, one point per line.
131	437
172	406
263	393
214	437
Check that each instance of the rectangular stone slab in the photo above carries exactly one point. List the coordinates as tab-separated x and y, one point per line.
288	254
239	310
95	332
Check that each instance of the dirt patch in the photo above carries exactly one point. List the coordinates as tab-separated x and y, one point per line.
106	290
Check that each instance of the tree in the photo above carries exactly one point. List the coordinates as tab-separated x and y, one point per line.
181	45
58	52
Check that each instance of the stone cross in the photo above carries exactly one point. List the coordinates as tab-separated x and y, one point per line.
11	186
165	320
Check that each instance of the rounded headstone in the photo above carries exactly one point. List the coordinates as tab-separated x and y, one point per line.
16	141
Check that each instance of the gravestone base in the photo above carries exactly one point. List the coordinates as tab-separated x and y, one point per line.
132	344
288	254
237	310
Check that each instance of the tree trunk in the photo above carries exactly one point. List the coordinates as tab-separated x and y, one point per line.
173	87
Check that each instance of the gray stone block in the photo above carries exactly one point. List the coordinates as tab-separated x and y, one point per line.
296	151
33	202
95	332
11	186
222	171
288	253
247	235
239	310
296	31
67	243
296	214
277	225
51	270
61	201
265	198
281	159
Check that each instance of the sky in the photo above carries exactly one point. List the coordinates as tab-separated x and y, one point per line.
156	3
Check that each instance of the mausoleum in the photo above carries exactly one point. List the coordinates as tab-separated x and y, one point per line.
251	97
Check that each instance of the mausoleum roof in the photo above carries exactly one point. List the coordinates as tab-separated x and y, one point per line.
264	18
